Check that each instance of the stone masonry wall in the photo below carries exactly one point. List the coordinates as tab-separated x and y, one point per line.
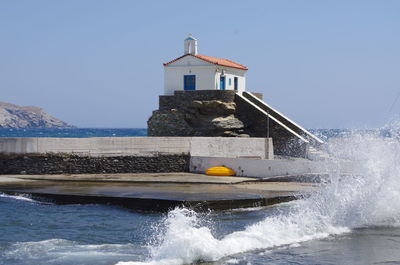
171	102
74	164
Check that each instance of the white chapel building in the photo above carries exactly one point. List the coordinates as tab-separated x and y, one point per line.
193	71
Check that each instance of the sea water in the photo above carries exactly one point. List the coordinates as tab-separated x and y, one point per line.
352	219
72	132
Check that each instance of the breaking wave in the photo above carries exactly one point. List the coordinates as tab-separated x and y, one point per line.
370	197
17	197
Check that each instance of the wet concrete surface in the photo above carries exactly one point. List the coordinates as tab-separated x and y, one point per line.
155	192
178	177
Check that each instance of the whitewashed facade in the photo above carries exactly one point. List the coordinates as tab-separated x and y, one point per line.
198	72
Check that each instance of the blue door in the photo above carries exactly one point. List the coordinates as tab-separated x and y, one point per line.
189	82
222	83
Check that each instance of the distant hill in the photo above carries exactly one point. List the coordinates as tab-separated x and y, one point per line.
13	116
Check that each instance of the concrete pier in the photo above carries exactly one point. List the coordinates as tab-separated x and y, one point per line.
152	173
155	191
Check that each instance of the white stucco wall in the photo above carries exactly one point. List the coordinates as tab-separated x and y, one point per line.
173	77
207	75
230	73
262	168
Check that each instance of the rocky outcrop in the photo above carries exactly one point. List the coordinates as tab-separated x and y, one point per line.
197	118
222	113
13	116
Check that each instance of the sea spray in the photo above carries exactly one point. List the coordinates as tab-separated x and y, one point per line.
368	197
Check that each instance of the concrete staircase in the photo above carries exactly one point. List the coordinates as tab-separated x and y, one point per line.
289	138
259	123
273	113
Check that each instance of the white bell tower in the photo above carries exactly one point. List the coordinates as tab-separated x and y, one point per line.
190	45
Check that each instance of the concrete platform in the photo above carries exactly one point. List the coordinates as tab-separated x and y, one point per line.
155	192
178	177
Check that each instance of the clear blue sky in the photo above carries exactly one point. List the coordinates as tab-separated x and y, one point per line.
93	63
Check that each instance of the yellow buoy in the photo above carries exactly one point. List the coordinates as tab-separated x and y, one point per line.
220	171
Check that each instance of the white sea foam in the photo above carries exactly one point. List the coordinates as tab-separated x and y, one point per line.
250	209
17	197
59	249
369	198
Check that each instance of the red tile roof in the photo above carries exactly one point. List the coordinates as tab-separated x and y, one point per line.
213	60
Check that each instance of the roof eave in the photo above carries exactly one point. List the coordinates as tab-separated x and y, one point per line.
244	68
240	68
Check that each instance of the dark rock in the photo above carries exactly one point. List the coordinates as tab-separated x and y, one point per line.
169	123
200	113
